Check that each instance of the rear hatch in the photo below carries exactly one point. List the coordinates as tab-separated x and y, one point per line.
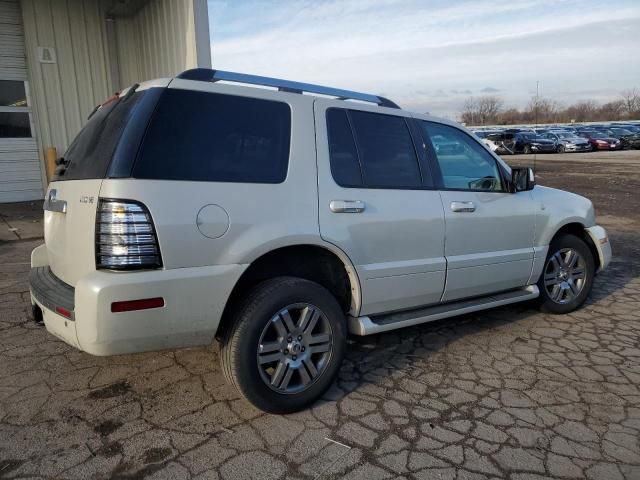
72	197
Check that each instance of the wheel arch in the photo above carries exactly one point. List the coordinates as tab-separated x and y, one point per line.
322	263
579	230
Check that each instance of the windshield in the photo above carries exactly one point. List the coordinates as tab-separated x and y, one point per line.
90	153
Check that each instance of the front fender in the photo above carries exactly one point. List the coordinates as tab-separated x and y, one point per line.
556	209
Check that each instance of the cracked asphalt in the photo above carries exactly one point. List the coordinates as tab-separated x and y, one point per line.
507	393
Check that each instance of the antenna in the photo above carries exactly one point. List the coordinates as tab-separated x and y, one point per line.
535	154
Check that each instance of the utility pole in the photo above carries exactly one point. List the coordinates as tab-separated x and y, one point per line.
537	101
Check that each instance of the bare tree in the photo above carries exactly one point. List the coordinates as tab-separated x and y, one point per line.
542	110
510	116
583	111
631	99
482	110
469	111
489	110
611	110
489	107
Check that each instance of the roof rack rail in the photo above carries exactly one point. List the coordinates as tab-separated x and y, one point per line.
209	75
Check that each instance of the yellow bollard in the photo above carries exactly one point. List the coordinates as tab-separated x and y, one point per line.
51	157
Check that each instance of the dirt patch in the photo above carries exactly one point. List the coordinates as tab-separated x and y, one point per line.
114	390
121	473
154	455
8	465
107	427
111	449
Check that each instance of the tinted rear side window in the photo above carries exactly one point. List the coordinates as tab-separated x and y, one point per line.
345	166
217	138
386	150
90	153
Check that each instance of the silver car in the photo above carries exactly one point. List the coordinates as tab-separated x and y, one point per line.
190	210
568	142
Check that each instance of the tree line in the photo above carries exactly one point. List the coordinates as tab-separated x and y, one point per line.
491	110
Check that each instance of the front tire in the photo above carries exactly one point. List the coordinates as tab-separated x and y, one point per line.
527	150
286	344
567	277
560	149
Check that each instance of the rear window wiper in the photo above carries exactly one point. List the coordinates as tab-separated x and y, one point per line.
115	97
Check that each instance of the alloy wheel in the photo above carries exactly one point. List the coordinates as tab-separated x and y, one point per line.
565	275
294	348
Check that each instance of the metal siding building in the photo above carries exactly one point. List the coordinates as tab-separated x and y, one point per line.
20	177
61	58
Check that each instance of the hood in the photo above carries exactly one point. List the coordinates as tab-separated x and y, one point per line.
575	140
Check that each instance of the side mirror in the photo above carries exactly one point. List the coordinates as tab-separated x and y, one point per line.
522	179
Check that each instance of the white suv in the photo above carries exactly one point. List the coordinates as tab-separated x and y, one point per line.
195	208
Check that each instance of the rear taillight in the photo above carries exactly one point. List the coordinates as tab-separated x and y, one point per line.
125	236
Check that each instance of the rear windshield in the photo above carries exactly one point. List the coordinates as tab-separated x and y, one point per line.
201	136
90	153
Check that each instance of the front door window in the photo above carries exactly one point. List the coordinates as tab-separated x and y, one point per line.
464	163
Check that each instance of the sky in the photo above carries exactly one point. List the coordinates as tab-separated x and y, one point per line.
432	55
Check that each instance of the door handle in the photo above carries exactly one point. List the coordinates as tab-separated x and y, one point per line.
346	206
463	207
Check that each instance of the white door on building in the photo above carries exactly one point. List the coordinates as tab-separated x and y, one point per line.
20	175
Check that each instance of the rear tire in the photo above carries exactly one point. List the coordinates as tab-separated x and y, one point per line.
567	276
286	344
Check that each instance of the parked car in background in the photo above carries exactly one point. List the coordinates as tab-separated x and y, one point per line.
568	141
520	130
494	142
627	126
485	133
601	141
629	138
530	142
502	143
445	145
511	143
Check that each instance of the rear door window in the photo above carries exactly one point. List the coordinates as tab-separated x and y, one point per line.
371	149
90	153
345	166
203	136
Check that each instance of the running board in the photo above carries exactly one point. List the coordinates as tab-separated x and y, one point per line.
381	323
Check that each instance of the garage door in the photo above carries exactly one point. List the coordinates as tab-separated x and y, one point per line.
20	177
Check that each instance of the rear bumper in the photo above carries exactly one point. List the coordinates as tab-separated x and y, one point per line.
51	292
194	299
601	241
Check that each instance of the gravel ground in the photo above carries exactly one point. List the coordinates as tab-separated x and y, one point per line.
507	393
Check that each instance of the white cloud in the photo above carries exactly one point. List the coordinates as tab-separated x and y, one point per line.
414	51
